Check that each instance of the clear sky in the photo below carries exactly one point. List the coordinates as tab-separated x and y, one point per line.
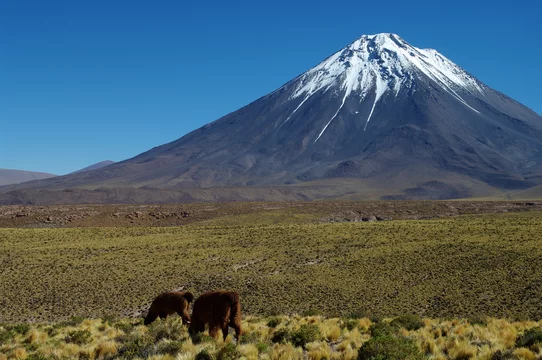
86	81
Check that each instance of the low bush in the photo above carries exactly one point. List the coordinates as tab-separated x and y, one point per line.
204	355
79	337
273	322
530	338
387	343
305	334
503	355
228	352
389	346
409	322
169	347
262	347
135	345
168	329
250	338
199	338
280	336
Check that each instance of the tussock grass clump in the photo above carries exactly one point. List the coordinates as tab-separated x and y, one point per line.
285	352
204	355
318	351
296	337
105	349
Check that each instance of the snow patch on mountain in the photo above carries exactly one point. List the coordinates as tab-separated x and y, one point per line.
376	64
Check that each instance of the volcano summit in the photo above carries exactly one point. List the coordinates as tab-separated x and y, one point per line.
380	110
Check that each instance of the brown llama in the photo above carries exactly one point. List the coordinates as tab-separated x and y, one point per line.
169	303
218	309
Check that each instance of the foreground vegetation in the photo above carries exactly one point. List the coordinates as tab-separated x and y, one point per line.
462	267
293	337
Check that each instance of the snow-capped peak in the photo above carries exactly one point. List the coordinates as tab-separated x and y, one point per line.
380	63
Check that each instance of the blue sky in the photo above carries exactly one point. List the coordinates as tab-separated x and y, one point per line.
86	81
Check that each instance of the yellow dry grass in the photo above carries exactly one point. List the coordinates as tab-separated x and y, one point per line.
127	339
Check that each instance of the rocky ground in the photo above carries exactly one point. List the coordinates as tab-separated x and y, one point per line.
175	215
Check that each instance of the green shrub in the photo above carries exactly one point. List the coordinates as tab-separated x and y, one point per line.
135	345
262	347
168	329
530	337
248	338
6	335
51	331
305	334
359	314
386	346
170	347
507	355
280	336
79	337
350	324
199	338
409	322
20	329
37	356
273	322
204	355
228	352
124	326
382	328
31	347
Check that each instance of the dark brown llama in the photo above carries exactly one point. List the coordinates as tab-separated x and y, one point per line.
169	303
218	309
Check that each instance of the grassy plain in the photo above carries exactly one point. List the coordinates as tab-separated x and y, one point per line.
281	264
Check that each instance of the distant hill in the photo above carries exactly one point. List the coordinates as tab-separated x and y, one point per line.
96	166
10	176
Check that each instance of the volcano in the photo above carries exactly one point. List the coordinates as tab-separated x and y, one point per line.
379	109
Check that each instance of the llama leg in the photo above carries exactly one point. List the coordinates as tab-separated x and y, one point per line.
213	330
237	328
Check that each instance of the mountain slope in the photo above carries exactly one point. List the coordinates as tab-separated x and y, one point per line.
9	176
377	108
96	166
